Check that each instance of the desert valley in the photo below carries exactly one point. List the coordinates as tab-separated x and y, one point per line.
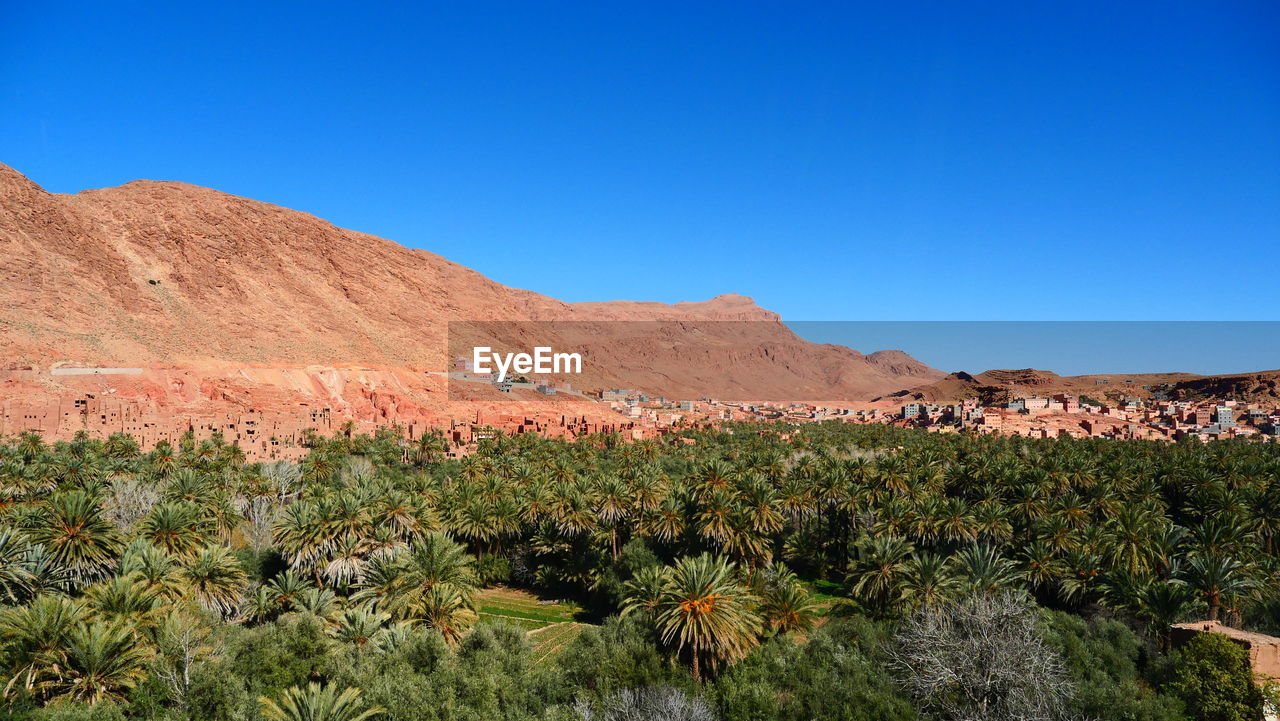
639	362
158	308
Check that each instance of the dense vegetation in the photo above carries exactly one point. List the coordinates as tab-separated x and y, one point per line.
831	572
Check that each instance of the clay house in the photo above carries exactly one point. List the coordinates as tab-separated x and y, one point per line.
1036	404
1264	650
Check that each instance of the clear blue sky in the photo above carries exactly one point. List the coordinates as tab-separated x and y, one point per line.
1066	347
1013	161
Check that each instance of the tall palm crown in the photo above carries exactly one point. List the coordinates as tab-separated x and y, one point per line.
707	613
79	537
318	703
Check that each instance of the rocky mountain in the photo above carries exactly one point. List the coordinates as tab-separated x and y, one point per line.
996	387
166	275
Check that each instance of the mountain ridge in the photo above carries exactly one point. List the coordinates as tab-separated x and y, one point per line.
170	274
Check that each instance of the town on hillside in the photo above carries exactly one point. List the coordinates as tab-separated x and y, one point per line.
557	410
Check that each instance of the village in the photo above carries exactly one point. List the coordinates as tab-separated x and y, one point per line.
267	432
1130	418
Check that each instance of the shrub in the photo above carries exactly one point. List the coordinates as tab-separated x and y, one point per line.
837	675
621	654
291	652
493	570
107	711
1212	677
983	657
646	704
1105	660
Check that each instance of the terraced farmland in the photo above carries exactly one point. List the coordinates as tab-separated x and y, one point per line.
551	640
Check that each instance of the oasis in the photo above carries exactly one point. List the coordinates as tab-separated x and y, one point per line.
543	360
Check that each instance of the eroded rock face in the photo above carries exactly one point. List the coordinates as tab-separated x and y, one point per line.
171	276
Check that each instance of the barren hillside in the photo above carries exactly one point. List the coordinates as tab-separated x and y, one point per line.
171	275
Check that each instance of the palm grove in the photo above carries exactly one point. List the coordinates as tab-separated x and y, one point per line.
833	571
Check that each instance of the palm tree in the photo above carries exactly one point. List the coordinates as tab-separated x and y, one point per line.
474	522
33	637
1161	604
403	514
16	578
30	445
982	570
786	605
126	599
428	448
876	572
1219	580
435	560
216	579
667	522
79	536
259	605
956	523
318	703
432	581
346	562
646	590
447	609
287	587
707	613
47	576
927	581
297	535
154	567
319	602
99	661
178	528
358	626
612	506
1130	533
1040	565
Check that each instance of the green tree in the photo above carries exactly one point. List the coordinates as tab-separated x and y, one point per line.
97	662
707	613
216	578
79	537
318	703
1212	676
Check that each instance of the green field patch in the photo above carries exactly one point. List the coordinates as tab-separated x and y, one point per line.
511	603
824	590
521	615
526	624
544	612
